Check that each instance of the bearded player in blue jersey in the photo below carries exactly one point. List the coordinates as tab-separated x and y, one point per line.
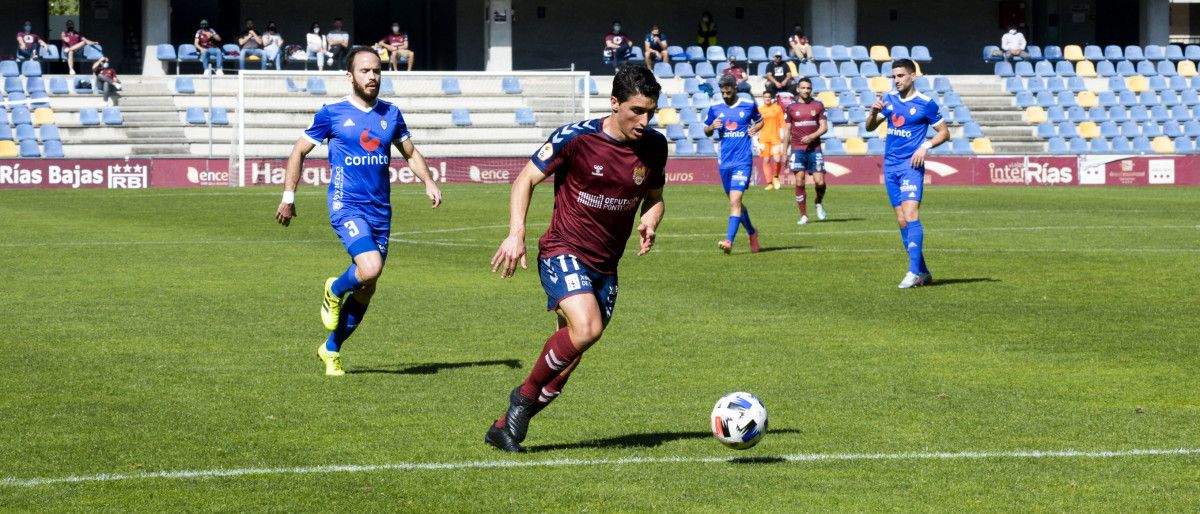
909	114
736	121
361	130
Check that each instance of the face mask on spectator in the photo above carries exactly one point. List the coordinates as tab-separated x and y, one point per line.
616	28
28	27
316	30
396	29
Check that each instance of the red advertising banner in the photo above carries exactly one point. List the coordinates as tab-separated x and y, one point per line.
74	174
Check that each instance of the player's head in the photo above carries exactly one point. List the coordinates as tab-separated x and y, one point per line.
903	73
728	86
363	68
768	97
804	89
634	99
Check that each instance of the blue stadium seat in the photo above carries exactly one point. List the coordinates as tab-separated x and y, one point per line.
1146	68
1168	98
220	116
40	99
899	52
820	53
696	131
1036	84
1148	98
1191	128
1180	113
828	69
675	52
663	70
29	147
112	116
701	100
684	146
636	55
848	69
34	85
1097	114
1192	52
25	133
1076	84
21	116
1044	69
922	84
991	53
315	86
885	69
524	117
863	133
1106	69
1172	129
1013	85
184	86
450	86
756	54
1107	99
818	84
31	69
776	48
688	116
761	69
847	99
1098	145
1054	85
1190	98
1113	53
95	52
738	53
694	53
833	146
1121	144
1045	98
1046	130
1067	129
1184	144
1035	53
187	53
1128	97
807	69
1126	69
1052	53
1076	114
875	146
9	69
1057	145
1178	83
716	53
1025	99
859	53
1166	68
1159	114
856	116
868	69
960	146
972	129
1065	98
921	54
13	84
1110	129
1093	53
684	70
1141	144
721	67
704	70
1117	84
837	85
510	85
54	149
1130	128
942	85
1079	145
952	99
1174	53
16	97
291	86
50	133
195	116
664	101
89	117
839	53
705	147
1139	113
165	53
460	117
1154	52
58	86
836	115
691	86
1064	69
679	101
860	84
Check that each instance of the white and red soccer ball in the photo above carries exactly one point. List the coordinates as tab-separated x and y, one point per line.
739	420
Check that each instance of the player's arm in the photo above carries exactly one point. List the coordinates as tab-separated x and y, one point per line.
757	126
652	213
512	250
216	37
875	118
287	207
416	162
711	123
943	135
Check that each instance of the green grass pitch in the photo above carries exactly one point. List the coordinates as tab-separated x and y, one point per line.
175	330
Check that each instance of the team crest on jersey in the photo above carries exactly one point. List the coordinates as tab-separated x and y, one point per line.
383	124
639	175
546	152
912	111
812	112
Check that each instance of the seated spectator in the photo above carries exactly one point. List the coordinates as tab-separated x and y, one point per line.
73	42
208	42
317	46
251	44
396	43
655	47
272	46
738	74
105	79
1013	44
27	43
779	76
339	44
617	46
706	33
801	49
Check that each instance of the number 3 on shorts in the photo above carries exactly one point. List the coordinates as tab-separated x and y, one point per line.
351	228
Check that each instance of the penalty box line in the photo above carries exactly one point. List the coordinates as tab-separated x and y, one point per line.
437	466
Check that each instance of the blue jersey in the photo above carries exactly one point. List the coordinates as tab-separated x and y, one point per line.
360	140
908	121
737	149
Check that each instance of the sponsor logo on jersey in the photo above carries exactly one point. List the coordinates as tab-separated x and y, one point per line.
639	175
546	152
349	123
367	142
898	120
597	170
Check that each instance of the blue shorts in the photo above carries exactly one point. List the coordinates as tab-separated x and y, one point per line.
735	178
811	161
565	275
903	183
360	233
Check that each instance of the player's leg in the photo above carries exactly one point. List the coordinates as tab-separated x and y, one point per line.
777	157
411	56
765	156
71	56
818	176
801	163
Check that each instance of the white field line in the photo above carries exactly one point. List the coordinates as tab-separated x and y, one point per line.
494	464
936	229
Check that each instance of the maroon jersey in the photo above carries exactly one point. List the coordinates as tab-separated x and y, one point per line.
599	183
205	37
70	38
737	72
396	39
619	39
804	119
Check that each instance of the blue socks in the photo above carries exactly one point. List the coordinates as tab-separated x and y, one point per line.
913	244
347	282
732	228
352	315
746	221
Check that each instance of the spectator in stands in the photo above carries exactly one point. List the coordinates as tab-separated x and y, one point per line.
339	44
273	46
317	46
779	76
208	42
617	46
1013	44
799	44
706	33
27	43
655	47
251	44
739	74
396	43
73	42
105	80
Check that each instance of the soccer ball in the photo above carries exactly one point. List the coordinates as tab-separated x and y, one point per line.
739	420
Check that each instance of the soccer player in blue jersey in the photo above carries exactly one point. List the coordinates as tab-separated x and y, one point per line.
909	114
359	129
736	121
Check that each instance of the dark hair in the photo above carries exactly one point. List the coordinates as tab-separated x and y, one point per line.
249	19
339	18
355	51
314	25
769	93
634	79
906	64
727	81
803	80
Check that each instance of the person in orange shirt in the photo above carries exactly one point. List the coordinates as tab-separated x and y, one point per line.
771	147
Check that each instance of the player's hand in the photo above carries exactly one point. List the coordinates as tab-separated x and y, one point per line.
434	194
918	158
716	124
285	213
511	251
754	129
647	238
877	106
806	139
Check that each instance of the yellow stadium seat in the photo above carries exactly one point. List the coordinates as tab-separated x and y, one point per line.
1162	144
792	68
1088	130
879	53
1137	83
856	146
8	148
982	145
829	98
668	116
880	84
1086	99
1187	69
1085	69
1035	114
1072	53
43	116
918	66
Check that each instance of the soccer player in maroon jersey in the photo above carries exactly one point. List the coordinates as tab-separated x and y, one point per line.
806	123
604	170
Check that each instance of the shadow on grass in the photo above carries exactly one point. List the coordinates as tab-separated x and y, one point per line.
951	281
781	248
647	440
434	367
834	220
